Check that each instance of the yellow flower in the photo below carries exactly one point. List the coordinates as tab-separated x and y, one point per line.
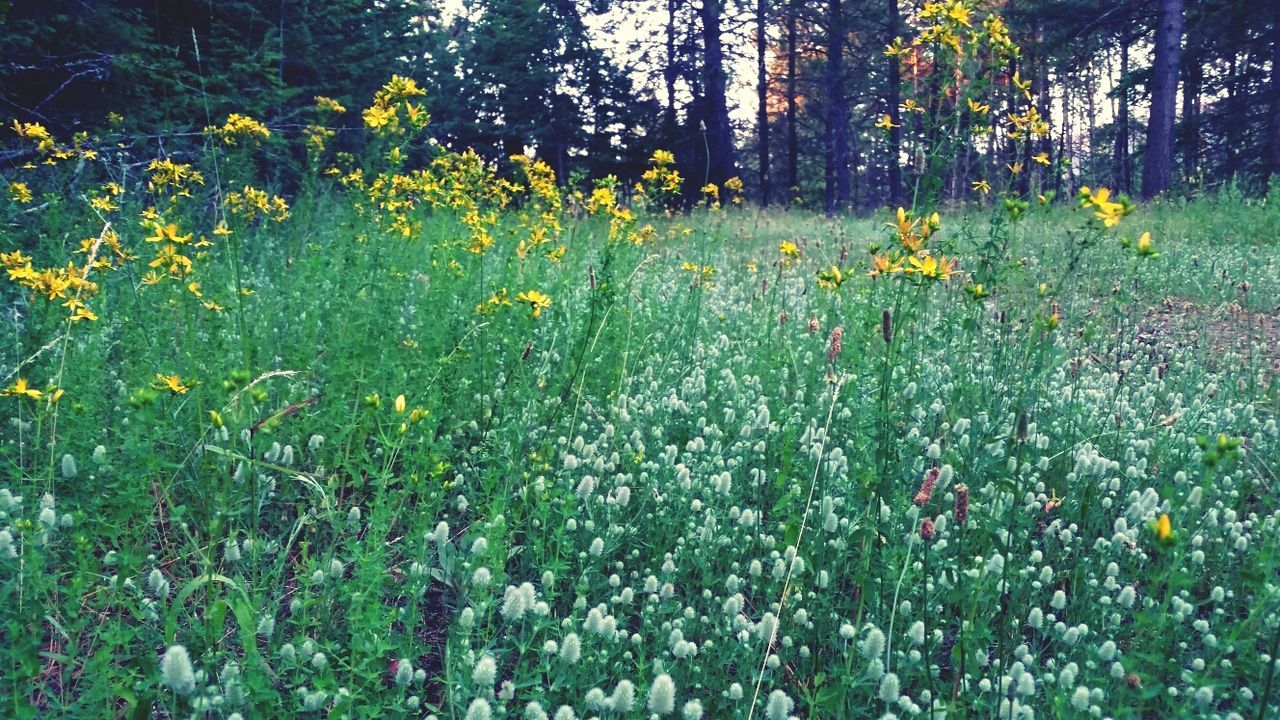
1145	249
662	157
378	117
21	389
172	383
789	250
831	278
400	403
1164	529
537	301
929	266
326	104
883	264
19	192
1042	158
886	122
1108	211
978	108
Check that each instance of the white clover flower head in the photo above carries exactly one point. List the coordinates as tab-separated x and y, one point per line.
479	710
662	695
872	646
485	671
623	697
779	706
176	672
571	649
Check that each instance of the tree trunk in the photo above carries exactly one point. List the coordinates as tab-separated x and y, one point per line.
1190	140
793	141
1157	168
837	167
762	93
719	135
1273	141
1123	168
893	101
670	72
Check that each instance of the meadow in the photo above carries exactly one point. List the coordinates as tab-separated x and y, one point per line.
427	439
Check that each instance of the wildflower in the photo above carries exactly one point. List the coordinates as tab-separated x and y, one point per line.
19	192
692	710
883	264
1144	246
1042	158
835	345
779	706
485	672
886	122
479	710
1163	529
172	383
927	530
831	278
931	267
662	695
176	672
789	250
20	388
537	301
571	649
68	466
982	186
889	689
926	487
977	108
239	126
623	697
872	646
1108	211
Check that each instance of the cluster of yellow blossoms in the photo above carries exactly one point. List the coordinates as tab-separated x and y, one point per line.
912	258
237	128
383	116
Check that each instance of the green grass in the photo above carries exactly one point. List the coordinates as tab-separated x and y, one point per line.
614	491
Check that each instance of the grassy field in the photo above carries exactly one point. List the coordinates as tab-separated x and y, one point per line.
440	444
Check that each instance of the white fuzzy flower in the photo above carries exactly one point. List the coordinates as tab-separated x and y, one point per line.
176	672
662	695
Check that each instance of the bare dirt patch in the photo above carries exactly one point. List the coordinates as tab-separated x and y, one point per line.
1224	332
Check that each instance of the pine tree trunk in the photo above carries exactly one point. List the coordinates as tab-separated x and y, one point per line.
670	72
719	135
1273	142
793	141
1157	168
837	166
1123	172
762	92
1190	140
893	102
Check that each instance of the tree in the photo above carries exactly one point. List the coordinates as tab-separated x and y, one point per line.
837	123
762	96
1273	137
720	165
893	101
1157	169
